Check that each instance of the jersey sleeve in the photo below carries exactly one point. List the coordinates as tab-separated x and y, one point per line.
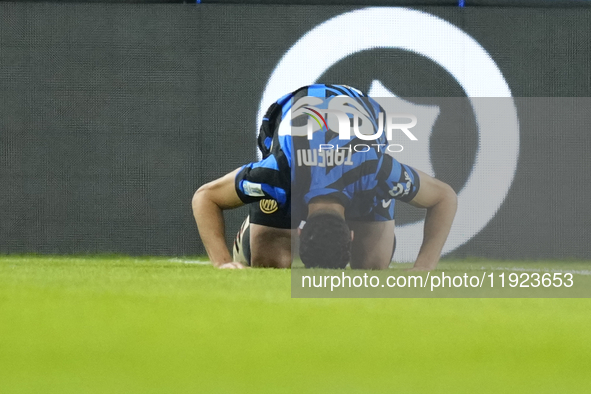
263	180
397	181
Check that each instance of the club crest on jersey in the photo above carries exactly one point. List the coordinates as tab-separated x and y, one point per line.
268	206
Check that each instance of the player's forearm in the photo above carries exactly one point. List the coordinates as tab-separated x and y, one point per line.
438	223
210	224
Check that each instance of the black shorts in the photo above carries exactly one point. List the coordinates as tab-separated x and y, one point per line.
267	213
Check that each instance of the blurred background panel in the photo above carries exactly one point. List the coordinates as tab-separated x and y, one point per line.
112	115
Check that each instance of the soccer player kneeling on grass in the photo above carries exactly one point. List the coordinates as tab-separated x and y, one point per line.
318	184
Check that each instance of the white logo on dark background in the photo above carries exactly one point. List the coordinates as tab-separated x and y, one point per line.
463	58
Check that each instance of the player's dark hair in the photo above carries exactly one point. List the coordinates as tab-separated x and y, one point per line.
325	241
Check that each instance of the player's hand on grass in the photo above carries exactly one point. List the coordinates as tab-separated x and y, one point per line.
233	265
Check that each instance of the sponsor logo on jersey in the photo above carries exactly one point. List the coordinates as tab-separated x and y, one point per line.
402	189
268	206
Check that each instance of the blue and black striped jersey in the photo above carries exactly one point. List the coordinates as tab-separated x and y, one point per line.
302	161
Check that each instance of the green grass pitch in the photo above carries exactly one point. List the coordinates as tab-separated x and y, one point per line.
152	325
